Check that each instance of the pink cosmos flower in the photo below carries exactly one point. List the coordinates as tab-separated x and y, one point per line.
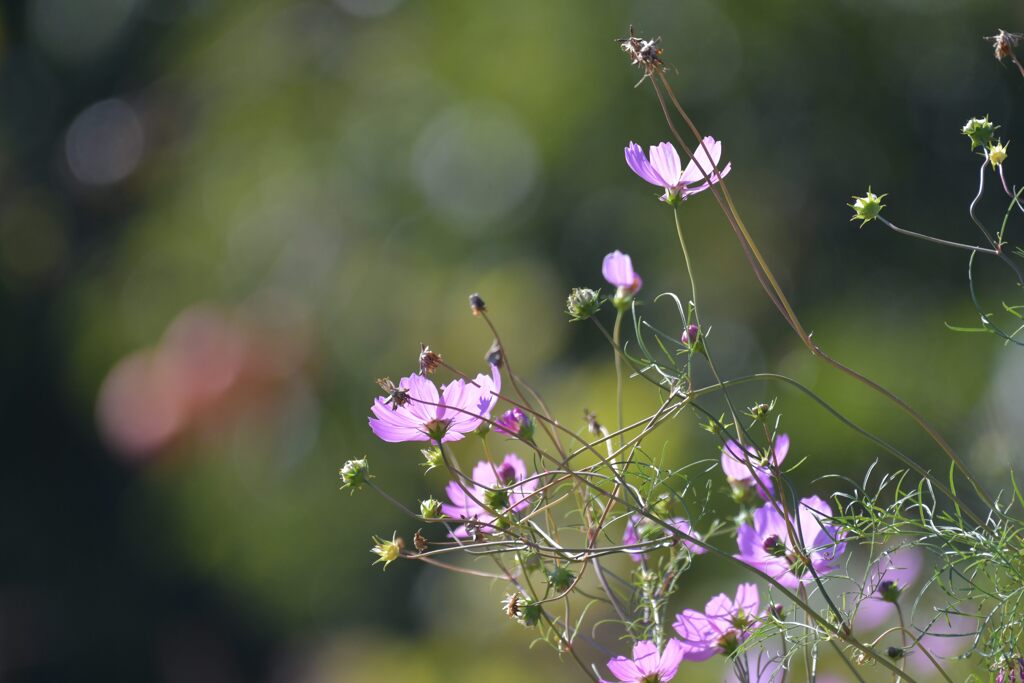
722	627
765	544
425	415
639	530
495	489
647	665
618	271
892	574
734	459
665	170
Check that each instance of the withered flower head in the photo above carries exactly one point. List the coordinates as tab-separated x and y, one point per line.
419	542
592	424
1004	42
644	54
429	360
397	396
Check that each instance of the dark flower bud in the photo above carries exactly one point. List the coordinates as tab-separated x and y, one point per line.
774	546
889	591
476	304
495	356
894	652
777	610
583	303
690	334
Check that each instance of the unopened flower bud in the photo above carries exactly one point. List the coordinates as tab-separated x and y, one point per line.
997	153
476	304
894	652
496	499
690	334
980	132
583	303
560	578
529	561
889	591
777	610
495	356
623	298
429	360
515	422
354	474
867	208
432	457
387	551
430	508
774	546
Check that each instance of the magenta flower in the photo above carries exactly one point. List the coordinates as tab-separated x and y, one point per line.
495	490
618	271
423	414
641	530
647	665
734	464
665	170
892	574
766	545
515	422
722	627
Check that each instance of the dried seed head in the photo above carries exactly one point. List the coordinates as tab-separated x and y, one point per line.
429	360
592	424
419	542
1003	43
643	54
396	396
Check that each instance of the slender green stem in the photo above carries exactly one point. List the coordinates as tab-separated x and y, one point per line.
617	344
700	327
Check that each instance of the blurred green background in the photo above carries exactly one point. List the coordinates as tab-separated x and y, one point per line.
220	221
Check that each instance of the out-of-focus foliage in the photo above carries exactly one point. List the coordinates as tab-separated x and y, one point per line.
220	221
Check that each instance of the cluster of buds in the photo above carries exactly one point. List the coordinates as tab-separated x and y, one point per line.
1009	670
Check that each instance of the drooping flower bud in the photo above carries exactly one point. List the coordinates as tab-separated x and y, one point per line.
430	508
583	303
387	551
432	458
980	132
867	208
354	474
